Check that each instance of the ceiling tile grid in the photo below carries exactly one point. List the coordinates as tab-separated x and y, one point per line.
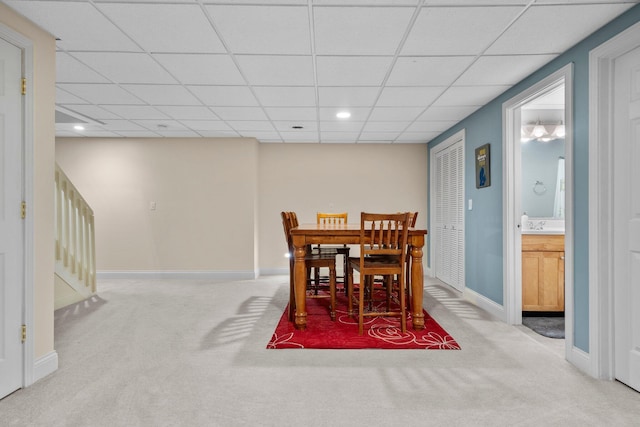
280	70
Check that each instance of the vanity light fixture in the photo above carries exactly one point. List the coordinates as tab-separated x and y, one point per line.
559	132
343	115
540	131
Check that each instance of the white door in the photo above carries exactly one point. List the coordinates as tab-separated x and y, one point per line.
626	221
11	227
449	214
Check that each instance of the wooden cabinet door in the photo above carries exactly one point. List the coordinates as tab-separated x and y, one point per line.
542	281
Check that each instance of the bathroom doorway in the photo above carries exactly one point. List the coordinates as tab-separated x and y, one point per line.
532	120
542	166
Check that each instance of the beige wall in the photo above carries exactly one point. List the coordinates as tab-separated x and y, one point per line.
205	196
43	87
218	201
307	178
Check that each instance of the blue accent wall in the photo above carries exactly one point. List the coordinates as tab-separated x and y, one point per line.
483	225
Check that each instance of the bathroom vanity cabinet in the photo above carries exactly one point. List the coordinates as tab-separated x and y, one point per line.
542	272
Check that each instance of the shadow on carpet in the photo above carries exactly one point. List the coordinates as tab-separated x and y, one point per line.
552	327
380	333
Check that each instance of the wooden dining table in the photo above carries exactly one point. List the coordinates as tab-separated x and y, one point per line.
338	234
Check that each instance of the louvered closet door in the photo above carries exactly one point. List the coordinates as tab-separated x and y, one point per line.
449	215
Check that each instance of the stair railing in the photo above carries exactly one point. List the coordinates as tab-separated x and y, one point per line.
74	234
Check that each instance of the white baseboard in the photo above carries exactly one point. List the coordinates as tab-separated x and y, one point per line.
45	365
274	272
485	303
581	360
177	274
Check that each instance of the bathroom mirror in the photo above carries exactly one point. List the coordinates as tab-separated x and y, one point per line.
542	156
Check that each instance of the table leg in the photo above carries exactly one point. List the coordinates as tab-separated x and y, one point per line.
300	284
417	283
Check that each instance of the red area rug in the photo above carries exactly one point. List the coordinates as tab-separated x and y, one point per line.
380	332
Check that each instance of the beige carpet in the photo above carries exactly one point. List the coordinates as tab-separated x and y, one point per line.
172	353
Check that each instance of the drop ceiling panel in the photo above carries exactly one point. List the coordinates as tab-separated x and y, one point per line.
272	70
292	113
93	111
357	114
496	70
252	125
161	125
138	134
364	2
225	96
431	126
208	125
385	127
420	96
185	133
162	94
341	126
201	69
239	113
288	125
122	125
352	70
126	67
165	27
457	31
70	70
136	111
428	70
378	136
469	95
345	137
395	114
78	25
282	96
347	96
100	93
219	134
556	27
187	112
456	113
274	29
274	136
64	97
358	30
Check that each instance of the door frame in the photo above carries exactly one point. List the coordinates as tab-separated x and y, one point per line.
512	187
458	137
601	86
26	46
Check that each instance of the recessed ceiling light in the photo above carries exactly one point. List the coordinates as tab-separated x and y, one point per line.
343	115
78	127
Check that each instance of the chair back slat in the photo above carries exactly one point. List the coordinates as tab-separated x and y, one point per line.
383	234
332	218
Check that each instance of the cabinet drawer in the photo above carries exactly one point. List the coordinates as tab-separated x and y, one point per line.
543	242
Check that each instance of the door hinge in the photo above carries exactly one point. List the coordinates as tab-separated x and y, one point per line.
24	86
24	333
23	210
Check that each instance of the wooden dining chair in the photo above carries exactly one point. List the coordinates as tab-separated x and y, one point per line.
383	252
312	261
326	218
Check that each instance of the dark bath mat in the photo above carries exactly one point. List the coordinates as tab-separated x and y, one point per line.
552	327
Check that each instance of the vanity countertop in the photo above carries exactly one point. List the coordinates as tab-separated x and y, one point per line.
544	231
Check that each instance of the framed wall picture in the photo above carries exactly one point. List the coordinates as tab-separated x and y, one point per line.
483	166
